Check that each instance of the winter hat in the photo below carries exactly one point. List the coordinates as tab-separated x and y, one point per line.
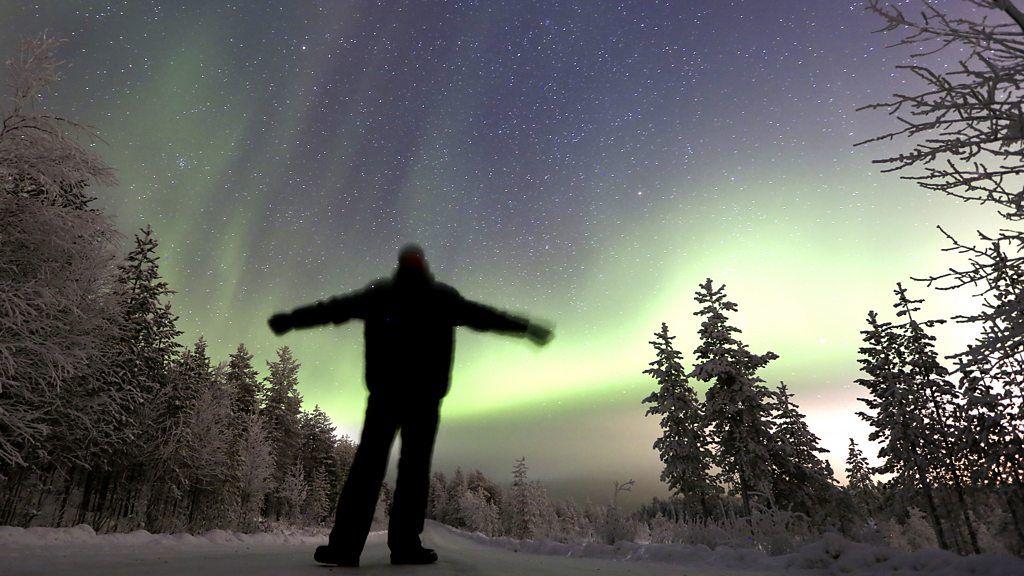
412	256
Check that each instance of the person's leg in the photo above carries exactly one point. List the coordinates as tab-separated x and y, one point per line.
358	499
409	504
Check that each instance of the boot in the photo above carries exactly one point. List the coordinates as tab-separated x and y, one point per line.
418	555
328	555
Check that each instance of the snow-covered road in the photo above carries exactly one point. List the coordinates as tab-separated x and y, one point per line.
189	557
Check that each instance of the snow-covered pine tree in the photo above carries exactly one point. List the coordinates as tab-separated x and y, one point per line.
992	386
317	503
317	450
523	509
437	498
736	403
150	342
965	138
683	446
896	412
282	406
479	514
60	311
148	348
967	133
213	498
451	513
490	491
943	403
859	481
801	481
40	155
242	377
292	492
255	465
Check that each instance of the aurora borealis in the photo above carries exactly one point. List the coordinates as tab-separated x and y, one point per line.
587	163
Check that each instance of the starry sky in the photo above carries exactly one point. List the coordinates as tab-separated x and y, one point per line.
585	163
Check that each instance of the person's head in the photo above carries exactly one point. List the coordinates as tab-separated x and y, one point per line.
412	266
412	256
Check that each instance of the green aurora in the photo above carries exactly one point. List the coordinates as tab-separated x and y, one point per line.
280	159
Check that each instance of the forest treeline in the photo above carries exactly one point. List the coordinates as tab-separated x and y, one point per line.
105	418
950	442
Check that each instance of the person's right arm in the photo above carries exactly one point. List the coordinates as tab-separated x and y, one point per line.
337	309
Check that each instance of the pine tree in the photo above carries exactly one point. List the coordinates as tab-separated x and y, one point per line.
41	158
683	446
437	500
736	403
281	411
242	378
457	486
150	339
944	413
211	448
317	499
802	481
896	412
317	440
292	492
318	450
859	480
523	512
254	466
60	322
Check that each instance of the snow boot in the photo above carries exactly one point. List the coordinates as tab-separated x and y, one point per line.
419	555
328	555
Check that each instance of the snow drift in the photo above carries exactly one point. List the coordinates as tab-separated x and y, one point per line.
832	554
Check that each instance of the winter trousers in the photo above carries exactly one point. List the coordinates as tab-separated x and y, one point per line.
417	418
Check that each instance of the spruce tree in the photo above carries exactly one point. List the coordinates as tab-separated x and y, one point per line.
944	413
684	447
282	406
317	503
242	378
801	481
736	404
152	335
860	482
318	450
523	513
992	387
254	468
896	412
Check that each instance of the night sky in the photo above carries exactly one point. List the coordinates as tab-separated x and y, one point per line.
586	163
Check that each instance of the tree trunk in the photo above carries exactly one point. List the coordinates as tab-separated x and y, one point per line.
965	511
929	496
745	495
83	506
705	506
69	486
954	471
1014	500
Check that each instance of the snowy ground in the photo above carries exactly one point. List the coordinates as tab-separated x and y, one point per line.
45	551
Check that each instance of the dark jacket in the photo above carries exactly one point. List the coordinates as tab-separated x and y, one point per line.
409	325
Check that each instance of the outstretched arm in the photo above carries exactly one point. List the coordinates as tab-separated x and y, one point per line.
486	318
336	310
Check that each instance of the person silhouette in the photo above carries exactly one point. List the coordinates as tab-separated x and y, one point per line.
409	323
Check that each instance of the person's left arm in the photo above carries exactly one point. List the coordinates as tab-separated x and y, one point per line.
487	318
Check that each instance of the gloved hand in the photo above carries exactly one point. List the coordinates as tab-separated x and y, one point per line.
279	323
539	334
